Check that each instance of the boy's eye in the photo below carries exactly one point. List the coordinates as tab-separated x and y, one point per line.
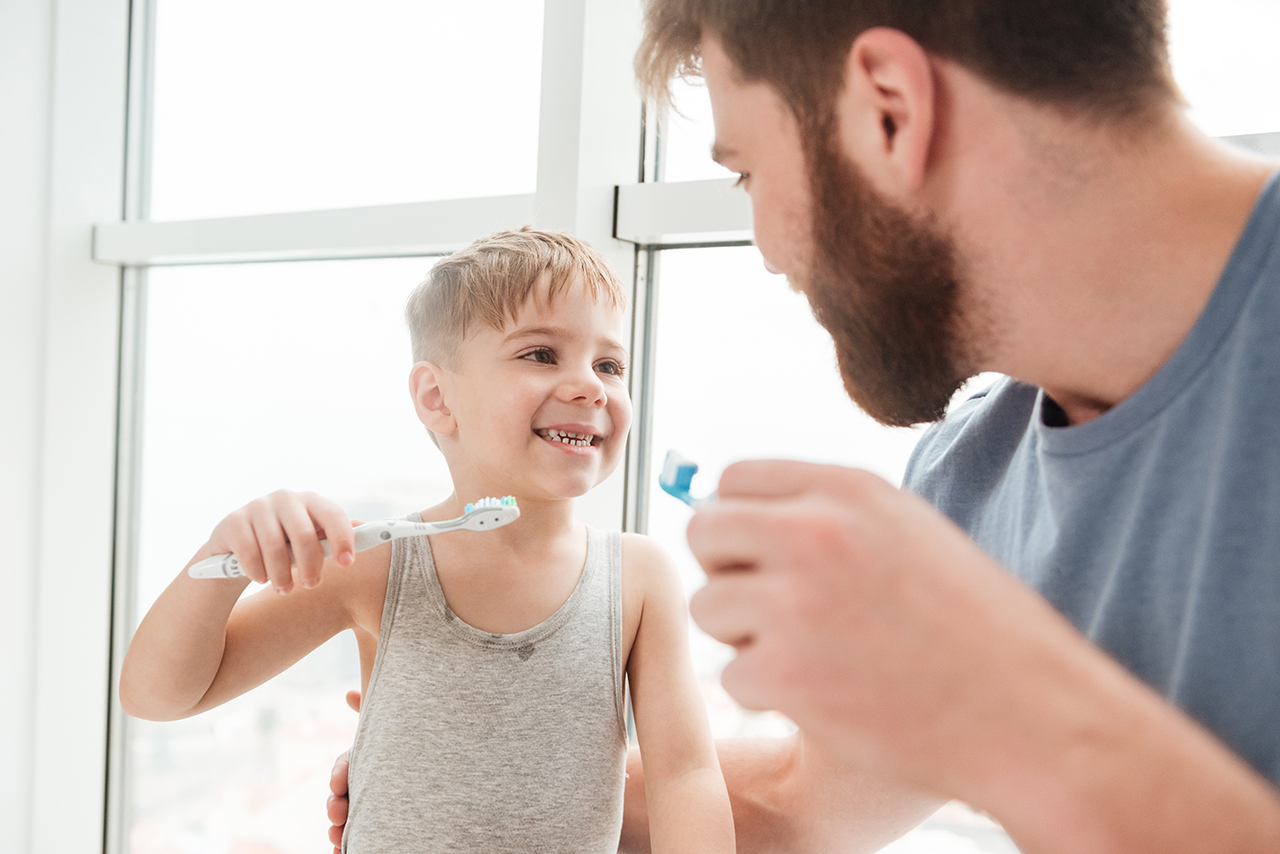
611	366
541	355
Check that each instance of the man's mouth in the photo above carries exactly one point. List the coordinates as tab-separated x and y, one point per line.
565	437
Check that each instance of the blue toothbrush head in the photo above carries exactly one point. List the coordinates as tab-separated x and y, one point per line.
677	477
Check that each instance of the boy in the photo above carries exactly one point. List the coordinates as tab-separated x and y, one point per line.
491	663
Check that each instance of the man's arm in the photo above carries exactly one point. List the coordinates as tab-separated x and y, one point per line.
897	645
787	799
784	801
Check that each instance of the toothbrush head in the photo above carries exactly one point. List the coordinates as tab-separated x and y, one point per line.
488	513
677	477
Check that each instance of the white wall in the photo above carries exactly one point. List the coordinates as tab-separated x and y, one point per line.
62	81
26	60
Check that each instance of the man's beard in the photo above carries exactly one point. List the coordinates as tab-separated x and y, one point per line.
884	284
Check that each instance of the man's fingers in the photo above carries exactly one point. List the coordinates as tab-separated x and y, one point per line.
338	780
785	478
767	478
741	680
338	805
730	608
731	534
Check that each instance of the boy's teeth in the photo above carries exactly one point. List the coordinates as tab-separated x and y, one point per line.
582	440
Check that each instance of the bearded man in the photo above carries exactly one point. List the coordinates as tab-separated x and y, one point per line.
1070	617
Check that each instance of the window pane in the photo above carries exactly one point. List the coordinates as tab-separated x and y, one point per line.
687	134
261	377
1224	60
761	381
1226	63
281	105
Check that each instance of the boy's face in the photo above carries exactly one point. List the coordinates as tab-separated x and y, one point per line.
541	406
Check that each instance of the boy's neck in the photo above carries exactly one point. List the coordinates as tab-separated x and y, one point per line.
540	524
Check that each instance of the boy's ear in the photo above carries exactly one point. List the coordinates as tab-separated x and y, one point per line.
427	385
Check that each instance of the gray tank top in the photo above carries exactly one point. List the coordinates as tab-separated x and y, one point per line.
471	741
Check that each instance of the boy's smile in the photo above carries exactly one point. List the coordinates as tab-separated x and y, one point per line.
539	409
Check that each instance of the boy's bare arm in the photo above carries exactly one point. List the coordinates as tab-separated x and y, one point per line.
688	805
200	646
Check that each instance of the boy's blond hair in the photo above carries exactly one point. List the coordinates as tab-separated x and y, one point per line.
490	280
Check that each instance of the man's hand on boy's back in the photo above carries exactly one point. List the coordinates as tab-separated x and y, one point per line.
272	535
337	805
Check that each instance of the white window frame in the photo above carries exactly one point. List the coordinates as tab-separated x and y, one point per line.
589	182
591	141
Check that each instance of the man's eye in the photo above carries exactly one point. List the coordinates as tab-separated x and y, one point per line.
541	355
742	179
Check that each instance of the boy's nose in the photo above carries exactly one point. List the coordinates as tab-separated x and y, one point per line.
583	385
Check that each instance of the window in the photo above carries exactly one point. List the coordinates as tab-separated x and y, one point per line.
258	377
285	105
301	137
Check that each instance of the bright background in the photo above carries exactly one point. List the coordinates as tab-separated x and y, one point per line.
262	376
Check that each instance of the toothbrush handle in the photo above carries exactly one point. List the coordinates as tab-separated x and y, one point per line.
226	565
218	566
366	537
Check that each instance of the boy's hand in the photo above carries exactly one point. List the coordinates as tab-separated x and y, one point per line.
272	535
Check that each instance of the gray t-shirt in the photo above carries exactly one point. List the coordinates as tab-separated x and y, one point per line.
1155	528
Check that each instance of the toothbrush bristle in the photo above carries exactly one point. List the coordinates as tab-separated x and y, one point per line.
489	501
673	467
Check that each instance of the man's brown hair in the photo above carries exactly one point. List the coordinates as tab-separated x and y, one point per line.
489	281
1108	58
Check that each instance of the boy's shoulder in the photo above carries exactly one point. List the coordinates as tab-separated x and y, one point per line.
648	572
643	555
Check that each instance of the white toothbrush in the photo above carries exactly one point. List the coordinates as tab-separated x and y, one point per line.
484	515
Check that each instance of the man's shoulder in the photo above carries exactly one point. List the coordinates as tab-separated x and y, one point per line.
978	435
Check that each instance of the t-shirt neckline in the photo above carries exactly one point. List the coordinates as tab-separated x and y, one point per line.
1239	278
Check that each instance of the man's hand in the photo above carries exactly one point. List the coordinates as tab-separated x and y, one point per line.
898	646
856	609
339	783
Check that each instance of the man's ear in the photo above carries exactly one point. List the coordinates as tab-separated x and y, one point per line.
427	385
886	111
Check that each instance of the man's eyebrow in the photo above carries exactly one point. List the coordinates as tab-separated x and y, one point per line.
720	153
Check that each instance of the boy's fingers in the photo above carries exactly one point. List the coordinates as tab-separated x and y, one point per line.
275	552
304	541
249	554
353	700
338	529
